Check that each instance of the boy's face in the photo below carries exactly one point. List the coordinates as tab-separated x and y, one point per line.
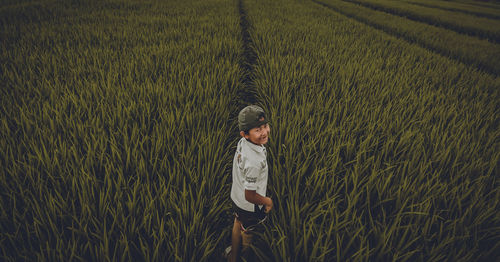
258	135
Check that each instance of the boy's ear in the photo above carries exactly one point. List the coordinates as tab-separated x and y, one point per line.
242	133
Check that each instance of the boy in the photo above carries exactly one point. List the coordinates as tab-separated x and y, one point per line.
248	192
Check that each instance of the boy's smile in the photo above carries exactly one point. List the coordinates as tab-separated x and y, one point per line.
258	135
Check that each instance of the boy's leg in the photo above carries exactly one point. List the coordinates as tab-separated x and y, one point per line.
246	241
235	241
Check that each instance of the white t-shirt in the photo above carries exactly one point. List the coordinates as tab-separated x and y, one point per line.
249	172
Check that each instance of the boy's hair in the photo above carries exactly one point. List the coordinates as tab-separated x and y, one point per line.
250	117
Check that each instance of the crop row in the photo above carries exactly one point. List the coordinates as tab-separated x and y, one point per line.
486	4
379	150
467	49
117	128
459	7
459	22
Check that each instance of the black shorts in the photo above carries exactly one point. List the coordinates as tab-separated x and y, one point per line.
248	218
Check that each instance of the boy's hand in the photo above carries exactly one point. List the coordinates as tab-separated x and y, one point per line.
269	205
252	197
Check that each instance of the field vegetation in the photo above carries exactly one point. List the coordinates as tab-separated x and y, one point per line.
468	49
115	128
373	142
462	23
488	4
472	9
118	128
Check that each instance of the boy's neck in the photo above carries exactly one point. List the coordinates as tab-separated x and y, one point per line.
252	142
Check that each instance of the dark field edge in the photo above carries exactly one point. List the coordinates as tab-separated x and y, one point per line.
476	64
468	12
481	34
246	94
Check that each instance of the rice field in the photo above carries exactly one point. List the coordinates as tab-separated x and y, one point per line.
467	8
118	128
467	24
471	50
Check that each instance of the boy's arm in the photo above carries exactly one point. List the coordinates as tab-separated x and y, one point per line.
251	176
255	198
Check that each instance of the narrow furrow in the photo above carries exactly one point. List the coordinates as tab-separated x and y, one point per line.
246	94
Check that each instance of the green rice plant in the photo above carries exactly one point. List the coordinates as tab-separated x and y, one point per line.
375	143
117	128
472	9
467	49
462	23
485	4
